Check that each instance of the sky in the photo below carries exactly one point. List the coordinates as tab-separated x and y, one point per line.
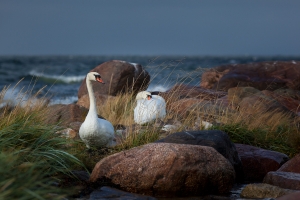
150	27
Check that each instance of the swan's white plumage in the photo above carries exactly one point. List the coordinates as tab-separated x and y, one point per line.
95	132
149	110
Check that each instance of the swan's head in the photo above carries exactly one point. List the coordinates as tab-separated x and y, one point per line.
143	95
94	76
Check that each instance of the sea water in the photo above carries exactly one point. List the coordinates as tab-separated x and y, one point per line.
59	77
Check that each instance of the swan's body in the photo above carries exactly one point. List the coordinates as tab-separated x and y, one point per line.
95	132
149	107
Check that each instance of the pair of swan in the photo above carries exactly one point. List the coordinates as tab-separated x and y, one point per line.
96	132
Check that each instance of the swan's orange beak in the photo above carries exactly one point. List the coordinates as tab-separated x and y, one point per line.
100	80
149	97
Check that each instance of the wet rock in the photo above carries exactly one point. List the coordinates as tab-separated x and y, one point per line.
119	77
219	140
260	75
167	170
286	180
293	165
115	194
261	190
257	162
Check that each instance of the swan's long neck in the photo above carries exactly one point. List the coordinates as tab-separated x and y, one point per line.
93	107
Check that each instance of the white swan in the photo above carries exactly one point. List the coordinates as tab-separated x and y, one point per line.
149	107
95	132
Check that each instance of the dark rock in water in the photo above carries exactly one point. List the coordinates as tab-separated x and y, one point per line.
257	162
115	194
167	170
286	180
119	77
261	75
219	140
293	165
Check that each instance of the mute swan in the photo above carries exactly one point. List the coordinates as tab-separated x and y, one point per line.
95	132
149	107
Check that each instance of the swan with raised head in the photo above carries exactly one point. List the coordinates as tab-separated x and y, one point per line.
96	132
149	107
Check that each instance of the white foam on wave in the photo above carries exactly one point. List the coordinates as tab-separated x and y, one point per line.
66	100
14	97
62	78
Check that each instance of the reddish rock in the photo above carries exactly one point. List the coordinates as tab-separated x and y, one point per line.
257	162
261	75
181	106
293	165
261	102
187	91
100	100
292	196
167	170
63	115
219	140
291	103
286	180
119	77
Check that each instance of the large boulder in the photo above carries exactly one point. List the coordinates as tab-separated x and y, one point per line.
261	75
119	77
257	162
216	139
167	170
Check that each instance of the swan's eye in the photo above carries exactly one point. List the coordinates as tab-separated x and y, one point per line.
97	76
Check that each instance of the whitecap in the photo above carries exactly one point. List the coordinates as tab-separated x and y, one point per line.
61	78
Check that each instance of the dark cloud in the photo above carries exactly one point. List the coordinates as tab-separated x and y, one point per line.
149	27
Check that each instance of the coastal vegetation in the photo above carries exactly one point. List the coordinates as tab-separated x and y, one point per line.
34	158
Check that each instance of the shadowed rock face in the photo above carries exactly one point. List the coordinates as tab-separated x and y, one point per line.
167	170
219	140
257	162
262	76
119	77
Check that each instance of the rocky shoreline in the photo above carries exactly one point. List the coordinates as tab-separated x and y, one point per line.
196	163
